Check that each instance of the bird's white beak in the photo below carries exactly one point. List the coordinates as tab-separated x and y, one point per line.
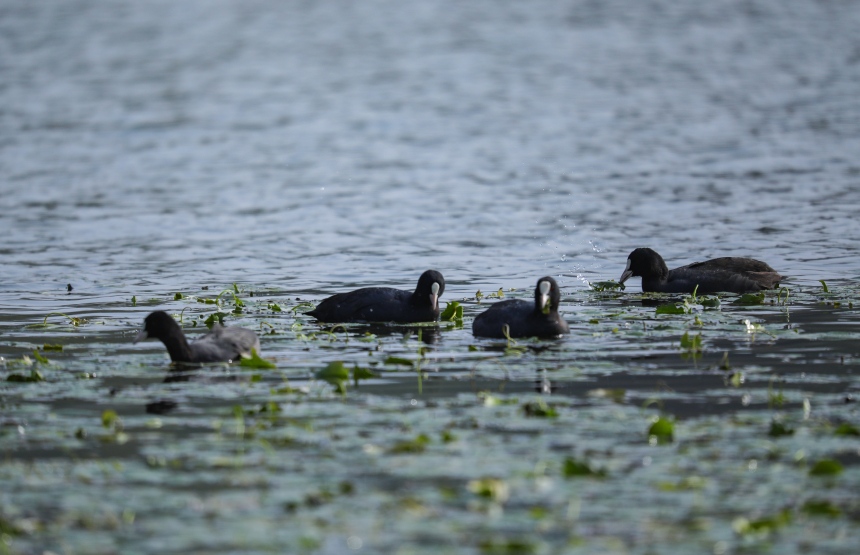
140	337
434	295
543	299
627	273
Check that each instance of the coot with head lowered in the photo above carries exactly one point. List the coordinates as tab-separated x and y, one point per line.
728	274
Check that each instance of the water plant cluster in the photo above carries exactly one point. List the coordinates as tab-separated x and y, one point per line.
724	425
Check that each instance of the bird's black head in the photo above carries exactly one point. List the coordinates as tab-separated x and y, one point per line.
547	295
158	325
645	263
430	287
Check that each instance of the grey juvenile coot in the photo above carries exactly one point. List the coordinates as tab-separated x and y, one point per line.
221	344
524	318
384	304
730	274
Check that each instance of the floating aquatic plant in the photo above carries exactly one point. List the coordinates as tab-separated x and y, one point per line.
821	508
215	317
33	377
661	431
610	285
846	429
671	308
453	313
500	294
512	347
399	361
826	467
256	361
779	429
336	374
763	526
73	320
573	468
540	409
494	489
112	423
750	299
418	444
359	373
691	346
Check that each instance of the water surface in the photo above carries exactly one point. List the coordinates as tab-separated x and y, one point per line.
301	149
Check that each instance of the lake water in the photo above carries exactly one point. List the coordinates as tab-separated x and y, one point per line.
299	149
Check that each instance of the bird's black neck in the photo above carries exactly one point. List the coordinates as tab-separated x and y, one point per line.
177	346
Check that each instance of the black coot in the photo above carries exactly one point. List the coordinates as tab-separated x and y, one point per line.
221	344
729	274
385	304
524	318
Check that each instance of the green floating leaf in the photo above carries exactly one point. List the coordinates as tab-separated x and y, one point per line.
692	344
416	445
826	467
256	361
274	307
539	409
509	546
213	318
49	347
671	309
109	418
750	299
573	468
399	361
778	429
269	407
500	294
610	285
846	429
178	297
72	319
336	374
491	488
709	302
453	312
359	373
35	376
766	525
821	508
661	431
39	358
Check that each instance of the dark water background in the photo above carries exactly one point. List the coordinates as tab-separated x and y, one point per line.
299	149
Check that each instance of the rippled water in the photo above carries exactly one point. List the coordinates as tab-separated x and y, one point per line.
300	149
